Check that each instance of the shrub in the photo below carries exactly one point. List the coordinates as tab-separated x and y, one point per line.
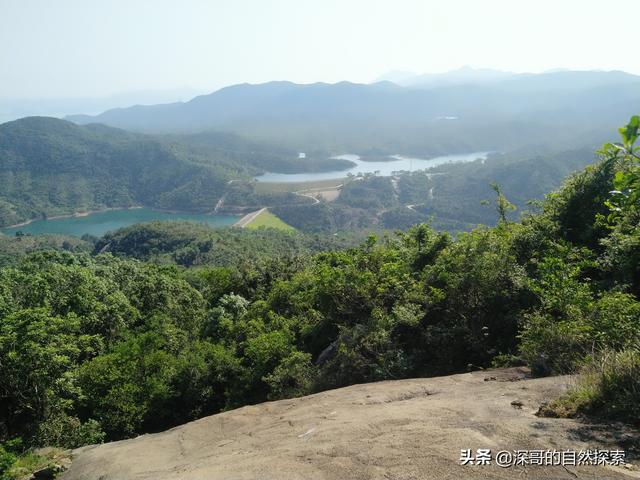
608	387
65	431
7	459
293	377
615	321
554	347
507	360
16	463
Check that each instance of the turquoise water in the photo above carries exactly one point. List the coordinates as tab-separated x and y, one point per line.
385	169
100	223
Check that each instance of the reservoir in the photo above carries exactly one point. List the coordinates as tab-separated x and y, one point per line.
385	169
100	223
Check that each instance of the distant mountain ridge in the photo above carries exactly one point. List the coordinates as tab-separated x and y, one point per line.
15	108
467	75
507	112
460	76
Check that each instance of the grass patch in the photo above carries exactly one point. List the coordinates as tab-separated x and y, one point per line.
269	220
25	465
21	466
608	387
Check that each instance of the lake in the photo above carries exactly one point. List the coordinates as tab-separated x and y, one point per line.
385	169
100	223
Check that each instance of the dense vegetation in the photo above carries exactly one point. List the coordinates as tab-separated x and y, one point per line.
101	347
454	193
260	156
189	244
12	248
453	197
326	217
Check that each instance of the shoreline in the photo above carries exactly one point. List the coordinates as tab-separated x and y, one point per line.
109	209
395	164
70	215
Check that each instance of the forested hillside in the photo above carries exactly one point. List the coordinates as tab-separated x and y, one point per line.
259	157
189	244
13	248
455	196
452	197
52	167
98	347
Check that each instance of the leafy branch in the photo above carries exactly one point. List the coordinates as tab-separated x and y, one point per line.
626	182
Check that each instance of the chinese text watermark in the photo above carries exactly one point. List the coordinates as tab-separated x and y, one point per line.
566	458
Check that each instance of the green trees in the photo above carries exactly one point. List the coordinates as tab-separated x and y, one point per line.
12	248
189	244
609	385
79	333
128	389
53	167
38	351
627	179
585	275
476	292
293	377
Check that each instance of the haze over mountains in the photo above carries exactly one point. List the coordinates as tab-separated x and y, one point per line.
15	108
461	76
496	110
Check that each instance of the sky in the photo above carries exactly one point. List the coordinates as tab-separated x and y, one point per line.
93	48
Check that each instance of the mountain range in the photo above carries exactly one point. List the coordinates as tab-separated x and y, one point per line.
15	108
495	110
462	76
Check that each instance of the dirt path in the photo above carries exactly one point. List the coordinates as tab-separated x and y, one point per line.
328	193
248	218
404	430
315	200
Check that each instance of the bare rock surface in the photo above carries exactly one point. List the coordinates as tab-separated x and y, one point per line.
405	430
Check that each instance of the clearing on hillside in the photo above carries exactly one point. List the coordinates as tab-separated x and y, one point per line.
267	219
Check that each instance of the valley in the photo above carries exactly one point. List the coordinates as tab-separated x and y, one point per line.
217	165
120	170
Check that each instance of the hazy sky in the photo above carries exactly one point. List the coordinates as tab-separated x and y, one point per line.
66	48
